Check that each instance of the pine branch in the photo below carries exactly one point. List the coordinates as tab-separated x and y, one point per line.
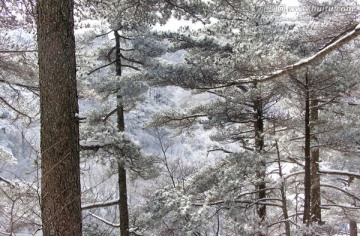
184	10
343	38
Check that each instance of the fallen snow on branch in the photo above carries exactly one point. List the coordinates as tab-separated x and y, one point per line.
338	172
99	204
343	38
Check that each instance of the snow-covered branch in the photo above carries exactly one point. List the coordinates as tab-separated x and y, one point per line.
337	172
11	184
343	38
104	221
341	206
93	145
18	51
99	204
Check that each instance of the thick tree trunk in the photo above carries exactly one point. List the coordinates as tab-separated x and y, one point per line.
315	158
307	151
60	181
123	205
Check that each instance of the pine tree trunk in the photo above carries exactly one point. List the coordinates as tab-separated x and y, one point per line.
353	228
315	176
307	151
123	205
60	181
259	145
283	195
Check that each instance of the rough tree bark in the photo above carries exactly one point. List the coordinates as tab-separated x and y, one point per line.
307	152
123	205
315	158
259	145
353	228
60	181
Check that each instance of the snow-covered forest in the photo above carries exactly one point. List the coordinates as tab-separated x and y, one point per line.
179	117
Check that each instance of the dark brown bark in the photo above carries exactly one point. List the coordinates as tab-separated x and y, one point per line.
259	145
315	158
60	181
353	228
307	152
123	205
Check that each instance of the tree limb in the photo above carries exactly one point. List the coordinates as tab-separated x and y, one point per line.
100	204
104	221
11	184
336	172
14	109
341	190
17	51
29	87
101	67
342	39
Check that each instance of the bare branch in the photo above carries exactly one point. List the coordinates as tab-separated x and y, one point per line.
14	109
101	67
341	190
29	87
132	67
110	114
104	34
131	60
219	150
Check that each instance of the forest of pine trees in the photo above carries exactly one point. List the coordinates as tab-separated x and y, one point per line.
179	117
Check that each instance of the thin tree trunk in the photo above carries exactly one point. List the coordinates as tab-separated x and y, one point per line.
60	181
283	195
315	176
307	151
353	228
123	204
259	145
